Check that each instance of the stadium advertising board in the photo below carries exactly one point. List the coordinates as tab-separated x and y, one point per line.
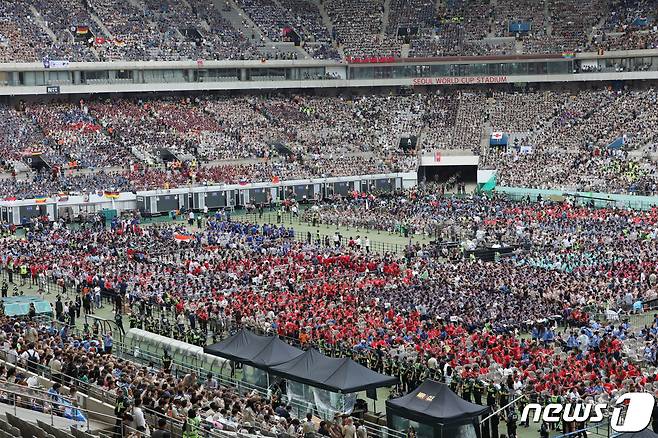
456	80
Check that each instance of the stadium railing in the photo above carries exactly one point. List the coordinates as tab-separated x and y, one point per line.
288	219
179	370
600	200
598	430
27	398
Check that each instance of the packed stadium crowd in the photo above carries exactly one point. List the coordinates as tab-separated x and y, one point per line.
426	313
84	30
548	298
82	362
589	140
233	269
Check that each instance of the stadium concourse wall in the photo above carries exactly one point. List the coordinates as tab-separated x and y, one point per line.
181	86
61	77
635	202
158	202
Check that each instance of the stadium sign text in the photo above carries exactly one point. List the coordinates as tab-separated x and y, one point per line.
461	80
639	406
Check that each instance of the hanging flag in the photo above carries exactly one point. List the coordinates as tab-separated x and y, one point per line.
182	237
40	200
437	156
111	194
275	179
498	138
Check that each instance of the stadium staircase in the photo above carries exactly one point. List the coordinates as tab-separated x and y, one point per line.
235	15
485	137
326	20
385	19
100	24
42	23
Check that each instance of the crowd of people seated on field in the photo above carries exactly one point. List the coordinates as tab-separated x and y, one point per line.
408	316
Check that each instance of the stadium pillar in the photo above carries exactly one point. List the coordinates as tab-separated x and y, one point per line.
243	74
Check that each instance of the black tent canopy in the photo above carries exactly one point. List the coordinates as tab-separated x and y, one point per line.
434	403
333	374
275	352
309	367
240	347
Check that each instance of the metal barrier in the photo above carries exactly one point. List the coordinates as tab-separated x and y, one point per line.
180	370
49	286
597	430
15	400
104	396
242	387
290	220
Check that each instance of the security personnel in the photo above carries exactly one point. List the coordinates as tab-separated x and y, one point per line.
120	409
455	382
388	365
166	362
192	425
494	421
322	346
405	375
10	271
23	270
426	374
437	375
467	389
417	374
532	398
491	395
478	389
554	399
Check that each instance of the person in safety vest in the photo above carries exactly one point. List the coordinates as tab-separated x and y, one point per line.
192	425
